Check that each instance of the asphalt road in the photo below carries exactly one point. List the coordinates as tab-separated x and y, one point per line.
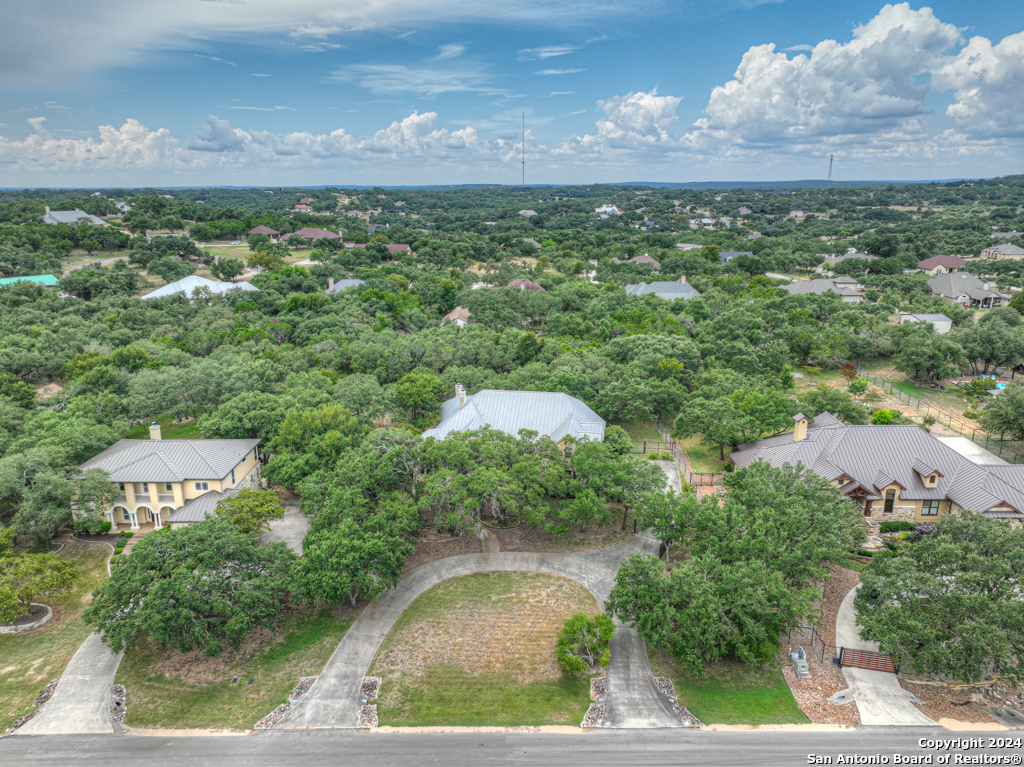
614	748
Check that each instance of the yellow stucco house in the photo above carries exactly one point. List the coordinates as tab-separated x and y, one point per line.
896	472
175	481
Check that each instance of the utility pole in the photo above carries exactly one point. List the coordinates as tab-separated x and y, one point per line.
830	158
524	151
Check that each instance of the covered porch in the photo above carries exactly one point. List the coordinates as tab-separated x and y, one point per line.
121	517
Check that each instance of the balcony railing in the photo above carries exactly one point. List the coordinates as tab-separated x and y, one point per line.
140	498
165	498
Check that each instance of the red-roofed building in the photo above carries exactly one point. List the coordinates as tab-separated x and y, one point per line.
273	234
937	265
398	249
524	284
313	233
303	208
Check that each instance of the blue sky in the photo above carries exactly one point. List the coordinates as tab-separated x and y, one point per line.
415	91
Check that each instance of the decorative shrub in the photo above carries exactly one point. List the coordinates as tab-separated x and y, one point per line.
91	524
811	371
895	526
969	413
925	528
882	416
857	386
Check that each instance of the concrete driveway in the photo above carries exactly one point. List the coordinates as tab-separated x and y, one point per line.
81	703
291	529
672	479
879	697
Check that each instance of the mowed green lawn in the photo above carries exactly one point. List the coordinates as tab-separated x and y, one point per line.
185	695
703	458
732	693
29	661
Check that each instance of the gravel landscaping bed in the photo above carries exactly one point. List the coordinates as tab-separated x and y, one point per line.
370	688
47	692
668	689
118	709
368	716
278	713
594	715
812	695
598	688
18	723
963	703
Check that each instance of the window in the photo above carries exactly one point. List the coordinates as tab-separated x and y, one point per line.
121	486
890	500
145	488
930	509
932	479
232	476
202	485
168	487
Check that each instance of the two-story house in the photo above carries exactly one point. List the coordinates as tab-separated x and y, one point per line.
896	472
174	481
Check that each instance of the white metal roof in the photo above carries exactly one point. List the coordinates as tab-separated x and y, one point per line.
187	284
553	414
170	460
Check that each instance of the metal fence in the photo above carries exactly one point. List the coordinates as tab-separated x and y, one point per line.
818	644
972	433
689	476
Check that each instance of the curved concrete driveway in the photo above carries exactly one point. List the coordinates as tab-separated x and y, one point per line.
633	700
879	697
81	703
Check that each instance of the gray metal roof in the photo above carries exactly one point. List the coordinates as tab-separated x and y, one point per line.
669	290
818	287
202	507
875	456
341	285
931	317
553	414
956	284
72	217
170	460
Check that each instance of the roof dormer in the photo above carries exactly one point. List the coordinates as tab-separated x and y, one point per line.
928	473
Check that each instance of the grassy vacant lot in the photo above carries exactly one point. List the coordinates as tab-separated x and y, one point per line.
643	430
479	650
732	693
168	429
703	458
29	661
169	689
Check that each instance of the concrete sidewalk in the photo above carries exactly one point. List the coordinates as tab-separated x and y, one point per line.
879	697
333	699
81	703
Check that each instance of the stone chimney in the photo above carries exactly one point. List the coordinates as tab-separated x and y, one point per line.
682	280
154	431
460	392
800	427
330	284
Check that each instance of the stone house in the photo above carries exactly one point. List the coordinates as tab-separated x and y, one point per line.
896	472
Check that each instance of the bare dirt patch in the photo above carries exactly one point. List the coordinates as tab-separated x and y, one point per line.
496	623
812	695
964	705
197	668
430	547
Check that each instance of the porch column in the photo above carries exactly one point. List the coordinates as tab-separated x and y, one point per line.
135	519
156	520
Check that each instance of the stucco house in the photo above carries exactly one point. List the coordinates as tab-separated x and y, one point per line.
941	264
1003	250
174	481
896	472
459	316
552	414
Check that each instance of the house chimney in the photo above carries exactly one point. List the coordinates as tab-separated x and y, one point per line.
461	394
154	431
800	428
330	284
682	280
